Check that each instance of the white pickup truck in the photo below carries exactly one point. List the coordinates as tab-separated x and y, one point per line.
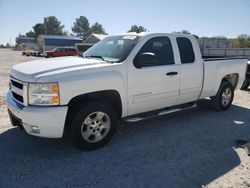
131	76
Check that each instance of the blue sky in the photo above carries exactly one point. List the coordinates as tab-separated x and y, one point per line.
202	17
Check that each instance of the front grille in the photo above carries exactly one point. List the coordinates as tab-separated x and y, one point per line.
18	90
17	97
17	84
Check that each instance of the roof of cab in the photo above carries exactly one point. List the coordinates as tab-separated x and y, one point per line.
148	33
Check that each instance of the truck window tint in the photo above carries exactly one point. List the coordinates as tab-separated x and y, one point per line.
185	49
162	48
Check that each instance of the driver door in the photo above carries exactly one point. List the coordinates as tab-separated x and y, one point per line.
153	85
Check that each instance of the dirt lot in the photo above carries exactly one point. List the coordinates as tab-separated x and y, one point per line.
195	148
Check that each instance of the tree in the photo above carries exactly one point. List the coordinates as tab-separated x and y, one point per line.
31	34
137	29
52	26
81	27
185	32
38	29
182	32
97	29
243	41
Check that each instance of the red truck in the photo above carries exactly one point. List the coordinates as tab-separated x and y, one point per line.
58	52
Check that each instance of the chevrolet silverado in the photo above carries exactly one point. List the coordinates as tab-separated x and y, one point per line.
131	77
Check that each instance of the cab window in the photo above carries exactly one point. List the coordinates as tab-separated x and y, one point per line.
186	50
159	49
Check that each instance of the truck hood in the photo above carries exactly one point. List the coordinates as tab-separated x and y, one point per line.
31	71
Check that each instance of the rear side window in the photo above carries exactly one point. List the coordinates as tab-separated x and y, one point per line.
186	50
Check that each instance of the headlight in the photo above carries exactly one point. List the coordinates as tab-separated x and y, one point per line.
44	94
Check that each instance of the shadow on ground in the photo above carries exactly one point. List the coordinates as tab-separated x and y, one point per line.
186	149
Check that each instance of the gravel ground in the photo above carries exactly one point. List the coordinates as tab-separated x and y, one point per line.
8	58
189	149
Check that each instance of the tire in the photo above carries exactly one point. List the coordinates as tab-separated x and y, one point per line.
245	85
224	97
87	130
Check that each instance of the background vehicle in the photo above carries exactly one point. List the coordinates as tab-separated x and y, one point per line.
37	53
131	77
59	52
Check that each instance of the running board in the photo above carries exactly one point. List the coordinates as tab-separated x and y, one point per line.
160	113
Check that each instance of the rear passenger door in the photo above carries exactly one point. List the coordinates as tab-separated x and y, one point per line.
191	75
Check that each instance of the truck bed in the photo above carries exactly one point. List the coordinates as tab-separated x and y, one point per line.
217	69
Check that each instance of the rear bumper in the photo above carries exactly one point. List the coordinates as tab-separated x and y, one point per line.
38	121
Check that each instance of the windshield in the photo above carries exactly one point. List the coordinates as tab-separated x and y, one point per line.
113	49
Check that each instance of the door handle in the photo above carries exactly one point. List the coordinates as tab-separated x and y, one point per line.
171	73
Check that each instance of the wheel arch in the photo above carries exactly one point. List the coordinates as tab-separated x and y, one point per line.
110	96
232	78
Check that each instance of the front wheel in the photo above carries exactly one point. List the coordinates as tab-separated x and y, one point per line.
224	97
93	126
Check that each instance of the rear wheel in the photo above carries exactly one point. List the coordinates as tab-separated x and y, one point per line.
245	85
93	126
224	97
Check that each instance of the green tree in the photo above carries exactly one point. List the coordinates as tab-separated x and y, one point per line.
38	29
185	32
137	29
182	32
243	41
97	29
53	26
31	34
81	27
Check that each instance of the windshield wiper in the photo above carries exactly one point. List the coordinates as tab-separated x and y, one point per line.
96	56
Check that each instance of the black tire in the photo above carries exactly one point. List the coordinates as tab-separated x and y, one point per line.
217	102
245	85
78	124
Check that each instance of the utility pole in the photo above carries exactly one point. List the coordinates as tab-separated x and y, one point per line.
45	28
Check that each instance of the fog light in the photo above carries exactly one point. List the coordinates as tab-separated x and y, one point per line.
35	129
32	128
